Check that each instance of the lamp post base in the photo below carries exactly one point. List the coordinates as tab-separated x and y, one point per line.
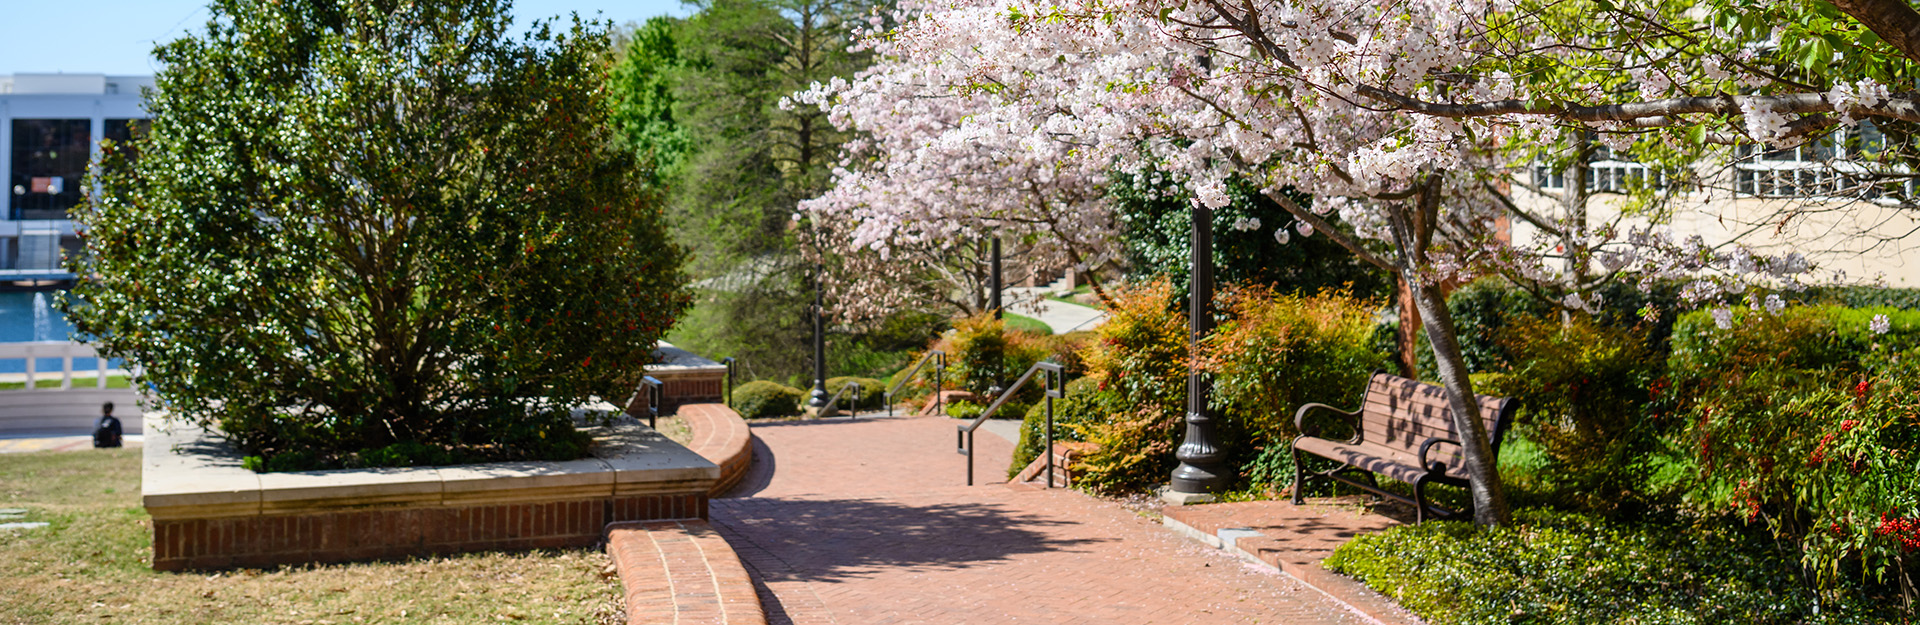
1176	498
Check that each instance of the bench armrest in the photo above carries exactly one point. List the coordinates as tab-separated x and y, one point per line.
1300	416
1429	445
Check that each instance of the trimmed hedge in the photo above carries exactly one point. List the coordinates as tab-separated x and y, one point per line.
872	394
761	398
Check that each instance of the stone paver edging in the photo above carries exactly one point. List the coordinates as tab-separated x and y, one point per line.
1295	551
681	572
723	438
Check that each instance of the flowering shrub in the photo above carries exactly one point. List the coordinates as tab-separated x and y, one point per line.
1804	420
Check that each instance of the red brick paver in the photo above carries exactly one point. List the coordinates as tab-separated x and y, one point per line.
869	521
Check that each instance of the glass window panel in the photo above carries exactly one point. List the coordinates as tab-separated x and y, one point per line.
49	158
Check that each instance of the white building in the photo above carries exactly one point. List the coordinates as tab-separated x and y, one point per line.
1841	221
51	126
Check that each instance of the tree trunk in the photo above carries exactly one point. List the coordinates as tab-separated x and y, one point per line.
1489	496
1894	21
1407	337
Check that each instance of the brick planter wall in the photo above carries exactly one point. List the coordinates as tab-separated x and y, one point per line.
210	513
259	541
723	438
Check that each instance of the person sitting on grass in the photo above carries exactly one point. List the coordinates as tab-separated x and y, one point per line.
106	433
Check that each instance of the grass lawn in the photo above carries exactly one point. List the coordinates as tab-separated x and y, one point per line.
1026	324
1077	292
41	381
90	566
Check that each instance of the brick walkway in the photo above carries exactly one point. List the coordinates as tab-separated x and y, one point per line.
869	521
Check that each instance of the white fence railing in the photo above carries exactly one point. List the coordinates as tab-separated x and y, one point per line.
66	351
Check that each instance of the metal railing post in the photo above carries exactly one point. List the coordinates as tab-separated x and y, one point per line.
728	361
652	388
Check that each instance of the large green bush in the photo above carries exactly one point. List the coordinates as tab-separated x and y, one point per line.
1583	391
761	398
1139	358
359	224
1563	568
872	393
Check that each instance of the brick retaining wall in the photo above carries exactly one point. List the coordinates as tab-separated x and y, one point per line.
208	512
259	541
723	438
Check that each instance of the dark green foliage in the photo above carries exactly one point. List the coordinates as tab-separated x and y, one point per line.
1563	568
640	88
702	95
355	225
1583	391
1157	224
871	396
1482	310
1083	404
761	398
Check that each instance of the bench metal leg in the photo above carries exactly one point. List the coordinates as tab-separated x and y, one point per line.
1299	480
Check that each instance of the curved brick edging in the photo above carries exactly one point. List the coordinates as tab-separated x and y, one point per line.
723	438
681	572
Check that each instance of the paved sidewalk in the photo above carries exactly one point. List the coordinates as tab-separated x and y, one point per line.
22	444
869	521
1061	316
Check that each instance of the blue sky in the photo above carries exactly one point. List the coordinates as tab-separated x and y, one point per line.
116	36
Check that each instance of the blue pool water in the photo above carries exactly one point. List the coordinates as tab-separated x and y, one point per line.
29	316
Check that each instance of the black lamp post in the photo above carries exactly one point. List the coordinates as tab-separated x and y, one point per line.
1203	468
995	299
819	396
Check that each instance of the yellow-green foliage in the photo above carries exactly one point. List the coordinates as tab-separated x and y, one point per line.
1275	352
1140	358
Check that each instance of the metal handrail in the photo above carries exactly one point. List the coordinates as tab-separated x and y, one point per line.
652	387
939	372
832	402
728	361
1056	383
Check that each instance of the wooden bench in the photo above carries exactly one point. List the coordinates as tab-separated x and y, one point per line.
1405	432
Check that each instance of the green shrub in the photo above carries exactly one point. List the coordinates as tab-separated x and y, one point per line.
1140	358
1084	403
1564	568
761	398
964	409
1273	353
1583	390
872	394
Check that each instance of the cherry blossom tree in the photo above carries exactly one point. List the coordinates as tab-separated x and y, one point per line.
1409	119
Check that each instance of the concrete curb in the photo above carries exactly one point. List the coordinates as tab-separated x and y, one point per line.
1355	596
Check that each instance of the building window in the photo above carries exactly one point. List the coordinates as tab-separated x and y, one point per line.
1832	167
123	132
49	157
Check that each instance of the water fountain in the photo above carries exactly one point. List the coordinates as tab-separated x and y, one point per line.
42	324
